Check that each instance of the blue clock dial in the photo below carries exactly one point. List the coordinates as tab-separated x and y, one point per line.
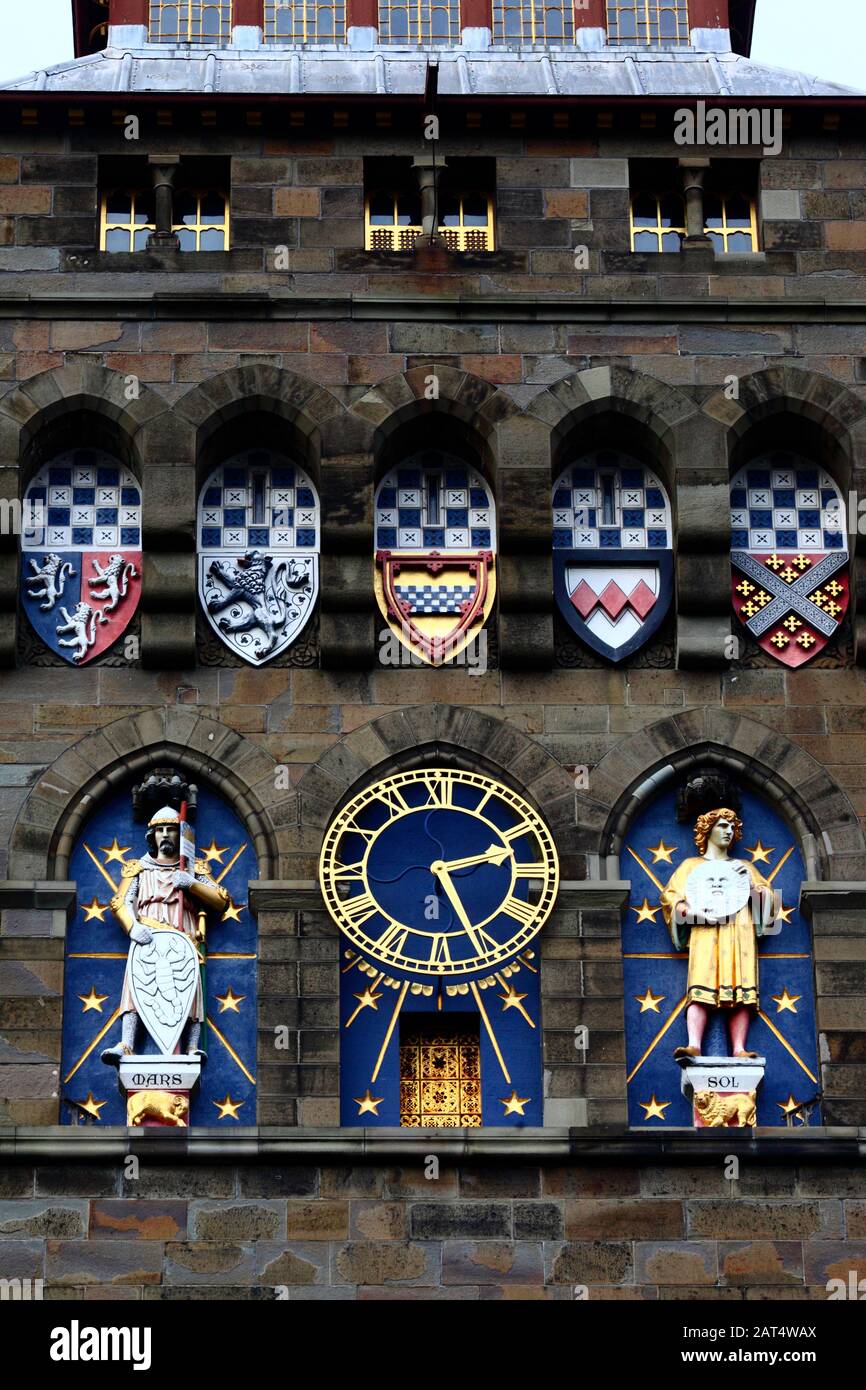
439	872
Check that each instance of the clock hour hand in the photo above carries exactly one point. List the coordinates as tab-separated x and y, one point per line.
495	854
440	870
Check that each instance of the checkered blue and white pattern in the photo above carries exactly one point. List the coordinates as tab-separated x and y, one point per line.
440	508
783	503
599	504
431	599
258	502
83	500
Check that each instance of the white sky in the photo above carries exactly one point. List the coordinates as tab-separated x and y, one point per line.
823	37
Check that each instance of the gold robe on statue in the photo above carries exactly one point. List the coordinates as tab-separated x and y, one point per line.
723	960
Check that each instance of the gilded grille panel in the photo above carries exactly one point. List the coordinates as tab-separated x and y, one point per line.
440	1075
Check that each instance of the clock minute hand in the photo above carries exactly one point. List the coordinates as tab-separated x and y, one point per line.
496	854
440	870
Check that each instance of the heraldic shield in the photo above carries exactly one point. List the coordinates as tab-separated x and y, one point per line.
81	553
435	576
258	530
789	557
612	556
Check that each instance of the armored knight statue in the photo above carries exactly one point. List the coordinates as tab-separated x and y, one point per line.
717	907
157	897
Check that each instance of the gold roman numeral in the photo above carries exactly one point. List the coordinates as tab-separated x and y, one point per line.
439	951
522	828
348	873
440	792
360	908
530	870
522	912
393	939
393	799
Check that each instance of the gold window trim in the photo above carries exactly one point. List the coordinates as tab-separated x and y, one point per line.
402	237
659	231
533	27
131	227
305	21
649	12
419	14
189	18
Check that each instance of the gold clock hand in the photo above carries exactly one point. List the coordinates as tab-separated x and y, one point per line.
496	854
439	869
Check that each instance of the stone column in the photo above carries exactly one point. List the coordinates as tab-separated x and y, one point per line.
525	543
709	25
427	169
127	23
476	23
362	23
693	173
163	169
248	23
590	24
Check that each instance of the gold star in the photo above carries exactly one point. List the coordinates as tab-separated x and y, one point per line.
760	853
662	853
91	1106
786	1001
785	915
645	913
95	909
228	1108
230	1002
367	1000
512	1000
233	912
92	1001
214	853
649	1002
514	1103
789	1106
655	1110
368	1104
114	854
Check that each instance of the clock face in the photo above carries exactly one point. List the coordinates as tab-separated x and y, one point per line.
439	873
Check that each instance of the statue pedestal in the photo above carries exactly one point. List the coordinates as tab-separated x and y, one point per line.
722	1090
158	1088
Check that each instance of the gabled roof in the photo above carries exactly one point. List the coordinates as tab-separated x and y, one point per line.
340	71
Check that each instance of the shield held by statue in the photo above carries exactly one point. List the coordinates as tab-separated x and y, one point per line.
435	603
163	976
614	602
257	603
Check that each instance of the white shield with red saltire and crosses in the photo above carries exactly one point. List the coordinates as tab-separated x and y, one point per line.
435	539
81	553
789	556
612	552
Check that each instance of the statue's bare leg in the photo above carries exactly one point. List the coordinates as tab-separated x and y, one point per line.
696	1022
740	1020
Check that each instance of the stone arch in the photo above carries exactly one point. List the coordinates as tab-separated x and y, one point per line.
826	404
452	734
655	407
299	405
49	821
470	408
38	406
804	792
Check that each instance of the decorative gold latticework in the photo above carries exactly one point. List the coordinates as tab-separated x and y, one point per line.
190	21
656	23
440	1075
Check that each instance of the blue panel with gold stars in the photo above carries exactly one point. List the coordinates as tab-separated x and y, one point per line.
440	1065
96	951
655	974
